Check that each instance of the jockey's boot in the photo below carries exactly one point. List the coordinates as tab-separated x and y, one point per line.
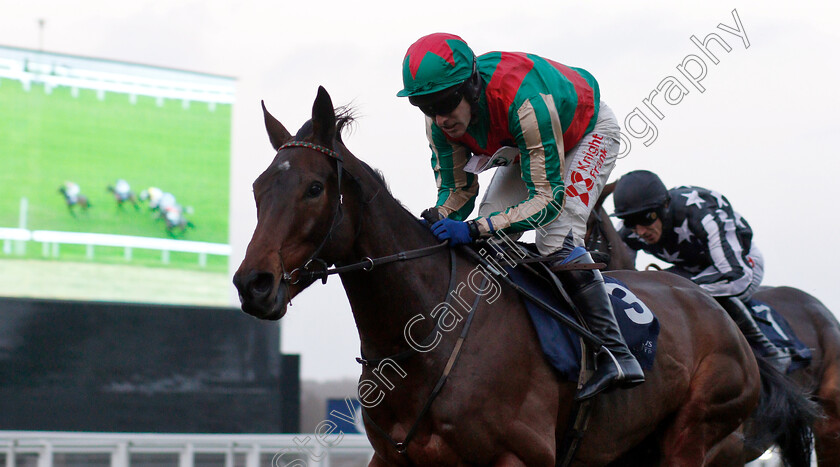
776	356
614	364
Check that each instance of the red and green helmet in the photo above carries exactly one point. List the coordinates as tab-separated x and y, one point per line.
434	63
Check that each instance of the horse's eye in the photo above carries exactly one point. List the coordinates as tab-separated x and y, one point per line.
315	189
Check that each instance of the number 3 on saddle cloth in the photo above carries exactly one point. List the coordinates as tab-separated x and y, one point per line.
562	346
776	328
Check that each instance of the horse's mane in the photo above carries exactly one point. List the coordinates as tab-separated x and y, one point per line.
380	177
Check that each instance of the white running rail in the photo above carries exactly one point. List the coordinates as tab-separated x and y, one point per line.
51	239
57	449
53	70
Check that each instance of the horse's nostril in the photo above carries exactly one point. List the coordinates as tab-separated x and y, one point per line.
254	285
262	283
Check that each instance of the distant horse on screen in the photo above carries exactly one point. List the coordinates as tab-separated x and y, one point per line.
176	220
73	197
123	194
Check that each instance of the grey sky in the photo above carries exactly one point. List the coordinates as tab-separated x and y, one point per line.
759	133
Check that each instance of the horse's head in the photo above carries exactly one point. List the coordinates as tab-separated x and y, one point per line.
305	215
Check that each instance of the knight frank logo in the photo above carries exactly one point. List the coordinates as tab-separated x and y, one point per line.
586	170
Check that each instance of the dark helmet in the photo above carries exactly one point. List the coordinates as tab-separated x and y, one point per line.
638	192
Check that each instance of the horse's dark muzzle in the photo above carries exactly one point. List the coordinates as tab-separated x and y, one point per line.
256	294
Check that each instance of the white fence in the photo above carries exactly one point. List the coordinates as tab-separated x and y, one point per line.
73	449
50	241
53	70
64	449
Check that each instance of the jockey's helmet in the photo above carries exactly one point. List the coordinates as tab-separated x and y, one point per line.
639	192
438	70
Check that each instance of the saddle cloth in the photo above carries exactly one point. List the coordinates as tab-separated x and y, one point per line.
561	346
776	328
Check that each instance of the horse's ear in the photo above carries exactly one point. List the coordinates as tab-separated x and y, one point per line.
323	118
277	133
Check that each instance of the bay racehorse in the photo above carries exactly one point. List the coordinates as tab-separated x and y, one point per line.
176	220
73	197
122	194
812	322
435	394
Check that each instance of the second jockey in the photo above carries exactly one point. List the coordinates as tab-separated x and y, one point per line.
697	231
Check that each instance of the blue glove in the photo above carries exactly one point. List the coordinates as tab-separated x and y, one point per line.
457	232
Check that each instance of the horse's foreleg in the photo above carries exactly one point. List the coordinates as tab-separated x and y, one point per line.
722	395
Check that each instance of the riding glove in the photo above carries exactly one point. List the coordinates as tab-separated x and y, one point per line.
457	232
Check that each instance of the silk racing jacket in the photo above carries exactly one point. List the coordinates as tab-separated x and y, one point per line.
536	105
704	239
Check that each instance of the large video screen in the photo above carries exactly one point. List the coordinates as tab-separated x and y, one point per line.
114	180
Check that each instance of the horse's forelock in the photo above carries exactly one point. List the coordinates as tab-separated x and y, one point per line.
344	116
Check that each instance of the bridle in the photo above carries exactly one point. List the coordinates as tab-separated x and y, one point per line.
306	272
288	278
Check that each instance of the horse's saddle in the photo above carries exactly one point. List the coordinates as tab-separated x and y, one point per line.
562	346
776	328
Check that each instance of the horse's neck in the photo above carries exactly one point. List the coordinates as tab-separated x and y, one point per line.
620	257
385	299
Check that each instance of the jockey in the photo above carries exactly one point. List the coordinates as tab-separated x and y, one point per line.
152	195
122	190
697	231
166	201
544	124
158	199
71	192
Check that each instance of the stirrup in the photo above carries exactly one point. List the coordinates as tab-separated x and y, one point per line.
613	361
606	377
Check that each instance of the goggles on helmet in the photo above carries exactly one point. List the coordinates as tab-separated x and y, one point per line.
643	219
442	103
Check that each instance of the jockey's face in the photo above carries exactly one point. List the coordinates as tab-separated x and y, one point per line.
649	233
455	123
